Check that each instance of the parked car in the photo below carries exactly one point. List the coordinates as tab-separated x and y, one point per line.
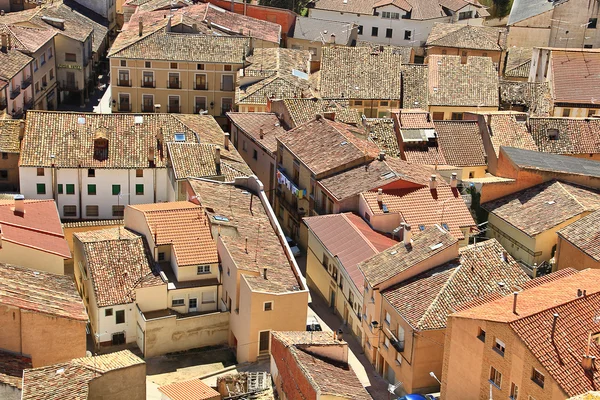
416	396
293	246
313	325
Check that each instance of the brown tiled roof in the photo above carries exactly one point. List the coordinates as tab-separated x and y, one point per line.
335	146
266	62
304	110
198	160
12	62
241	24
461	143
420	9
251	123
399	258
26	38
584	234
263	248
575	76
350	239
425	208
429	155
277	86
505	130
118	262
11	369
536	96
427	299
72	143
361	73
451	83
40	292
467	37
518	62
189	390
71	380
544	206
381	131
375	175
351	6
183	225
328	378
414	118
575	135
10	130
415	86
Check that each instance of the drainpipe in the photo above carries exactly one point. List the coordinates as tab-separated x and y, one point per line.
154	184
80	191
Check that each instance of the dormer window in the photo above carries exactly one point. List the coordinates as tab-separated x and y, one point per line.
552	133
101	144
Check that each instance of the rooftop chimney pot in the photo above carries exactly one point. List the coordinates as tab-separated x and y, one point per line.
381	155
454	180
19	204
407	235
218	155
515	302
379	195
433	182
140	27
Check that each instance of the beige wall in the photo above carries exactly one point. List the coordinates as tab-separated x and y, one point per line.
48	70
570	256
12	253
496	56
449	110
575	112
119	384
375	108
249	107
11	165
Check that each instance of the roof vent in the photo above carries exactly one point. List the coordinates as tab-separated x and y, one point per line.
138	119
552	133
433	182
81	120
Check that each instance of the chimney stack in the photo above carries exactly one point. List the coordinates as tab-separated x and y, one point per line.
19	204
515	303
330	115
340	335
195	28
504	255
332	38
433	182
407	235
588	362
140	27
261	133
4	42
265	273
453	180
554	325
381	155
379	195
226	141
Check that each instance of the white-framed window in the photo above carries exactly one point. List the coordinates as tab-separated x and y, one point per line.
203	269
177	302
388	318
268	306
499	346
514	392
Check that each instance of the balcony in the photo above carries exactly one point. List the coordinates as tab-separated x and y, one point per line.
2	104
148	84
27	82
17	113
28	104
227	87
292	207
200	86
70	86
124	82
16	90
174	84
147	108
125	107
174	108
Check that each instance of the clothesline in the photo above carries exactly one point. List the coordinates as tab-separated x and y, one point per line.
283	180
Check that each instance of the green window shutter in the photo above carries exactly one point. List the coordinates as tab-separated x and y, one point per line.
139	189
91	190
116	190
41	188
70	188
60	188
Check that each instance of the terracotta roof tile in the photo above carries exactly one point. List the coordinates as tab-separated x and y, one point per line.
505	130
544	206
461	143
241	24
381	131
415	92
71	380
518	62
40	292
9	136
252	122
349	238
467	37
183	225
399	258
118	261
535	96
11	369
573	135
414	118
304	110
12	62
28	39
361	73
199	160
575	76
584	234
277	86
189	390
426	208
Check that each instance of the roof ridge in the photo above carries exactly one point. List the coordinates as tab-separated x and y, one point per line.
571	195
110	54
437	297
360	233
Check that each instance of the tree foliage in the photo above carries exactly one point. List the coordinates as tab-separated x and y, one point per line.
297	6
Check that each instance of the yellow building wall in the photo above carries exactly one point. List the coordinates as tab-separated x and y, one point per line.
151	298
252	107
190	272
570	256
575	112
375	108
119	384
477	171
449	110
11	253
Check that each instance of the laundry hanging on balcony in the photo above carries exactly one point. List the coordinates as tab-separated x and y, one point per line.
283	180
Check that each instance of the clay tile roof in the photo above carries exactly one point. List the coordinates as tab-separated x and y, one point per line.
413	118
198	160
399	258
544	206
11	369
277	86
298	338
263	248
349	238
584	234
518	62
12	62
461	143
9	136
189	390
70	138
381	131
505	130
27	39
251	123
451	83
467	37
183	225
415	92
361	73
535	96
40	292
268	61
304	110
335	146
350	6
242	24
71	380
38	228
573	135
118	261
575	76
423	208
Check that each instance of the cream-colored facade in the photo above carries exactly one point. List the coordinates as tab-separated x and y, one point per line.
74	66
17	254
45	80
186	87
569	255
446	113
375	108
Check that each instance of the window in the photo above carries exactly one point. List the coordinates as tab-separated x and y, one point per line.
500	347
457	116
592	23
70	188
226	67
139	173
313	51
123	63
35	65
465	15
148	79
537	377
481	335
471	175
5	156
173	65
407	35
91	190
388	318
116	190
227	83
566	112
120	317
588	46
200	67
360	29
386	342
108	312
514	392
495	377
50	55
118	211
255	154
268	306
200	83
41	188
388	32
43	59
174	82
177	302
203	269
139	189
374	31
40	172
51	74
161	256
91	211
70	211
325	261
484	54
91	173
200	104
591	112
60	188
71	57
398	358
226	105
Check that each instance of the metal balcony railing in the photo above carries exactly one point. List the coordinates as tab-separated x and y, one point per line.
27	82
124	82
148	84
174	84
16	90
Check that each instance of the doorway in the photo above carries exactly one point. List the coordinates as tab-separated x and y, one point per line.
118	338
331	298
263	344
193	305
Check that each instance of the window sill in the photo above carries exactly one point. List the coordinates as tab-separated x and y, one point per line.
538	383
494	384
482	338
498	352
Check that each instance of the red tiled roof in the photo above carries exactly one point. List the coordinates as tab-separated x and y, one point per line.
11	369
427	207
38	228
189	390
461	143
575	76
506	131
413	119
349	238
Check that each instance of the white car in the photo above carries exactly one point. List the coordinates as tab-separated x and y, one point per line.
313	325
293	246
